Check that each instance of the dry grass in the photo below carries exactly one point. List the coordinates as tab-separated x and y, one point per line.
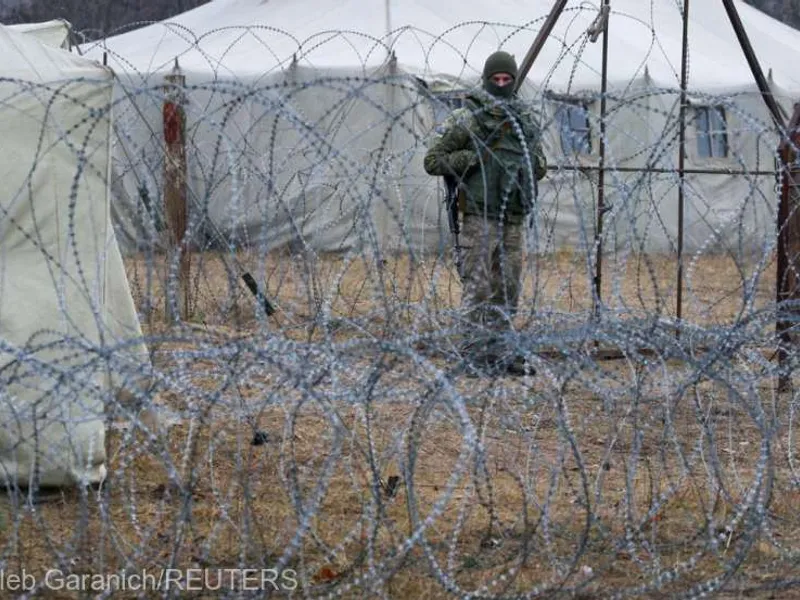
564	477
717	289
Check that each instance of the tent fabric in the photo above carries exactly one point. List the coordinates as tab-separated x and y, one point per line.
252	37
65	304
252	173
53	33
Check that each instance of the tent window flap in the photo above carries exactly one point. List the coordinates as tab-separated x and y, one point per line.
572	118
712	132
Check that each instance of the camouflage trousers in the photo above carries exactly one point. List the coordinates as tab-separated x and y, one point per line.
491	269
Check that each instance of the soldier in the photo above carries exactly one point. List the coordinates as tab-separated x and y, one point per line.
491	148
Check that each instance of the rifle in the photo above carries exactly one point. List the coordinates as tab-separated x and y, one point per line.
451	202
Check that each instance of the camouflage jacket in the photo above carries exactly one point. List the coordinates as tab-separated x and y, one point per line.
494	152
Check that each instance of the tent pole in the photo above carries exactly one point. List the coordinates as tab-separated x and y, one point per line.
682	159
538	43
755	67
389	41
601	175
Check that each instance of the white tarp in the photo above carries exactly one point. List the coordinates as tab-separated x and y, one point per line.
253	37
53	33
247	168
65	304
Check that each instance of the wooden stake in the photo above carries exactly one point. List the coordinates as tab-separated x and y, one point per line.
175	189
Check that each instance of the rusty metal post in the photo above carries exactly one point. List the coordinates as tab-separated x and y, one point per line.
788	259
175	190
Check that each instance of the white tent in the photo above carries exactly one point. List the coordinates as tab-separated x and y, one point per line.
336	161
51	33
67	318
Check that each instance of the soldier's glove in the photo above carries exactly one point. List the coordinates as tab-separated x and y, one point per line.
460	162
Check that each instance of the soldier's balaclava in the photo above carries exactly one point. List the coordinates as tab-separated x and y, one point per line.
499	62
